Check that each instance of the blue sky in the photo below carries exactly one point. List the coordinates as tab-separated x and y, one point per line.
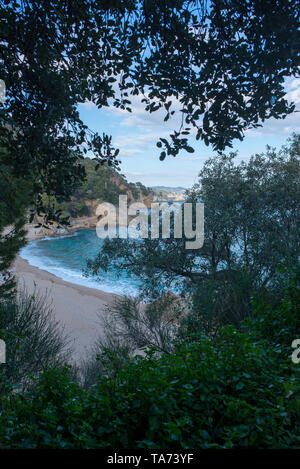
136	134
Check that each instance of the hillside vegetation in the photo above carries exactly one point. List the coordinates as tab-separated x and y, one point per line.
103	184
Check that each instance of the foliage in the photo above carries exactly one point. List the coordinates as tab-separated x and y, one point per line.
104	185
251	227
78	209
101	184
14	199
34	338
220	64
240	391
236	394
143	189
280	325
223	64
130	327
56	54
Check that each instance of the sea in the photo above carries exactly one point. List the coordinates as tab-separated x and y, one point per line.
66	258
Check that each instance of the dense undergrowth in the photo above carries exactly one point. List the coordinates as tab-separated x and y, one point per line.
240	390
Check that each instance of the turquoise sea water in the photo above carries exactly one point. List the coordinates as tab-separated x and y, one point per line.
66	256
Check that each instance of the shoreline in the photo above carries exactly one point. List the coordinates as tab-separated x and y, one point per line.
23	265
56	235
35	234
77	308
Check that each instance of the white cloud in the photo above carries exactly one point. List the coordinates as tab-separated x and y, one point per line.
284	127
292	87
130	152
141	119
163	177
137	143
294	95
276	127
143	129
154	125
88	105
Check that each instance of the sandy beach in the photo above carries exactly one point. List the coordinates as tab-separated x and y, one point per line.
76	307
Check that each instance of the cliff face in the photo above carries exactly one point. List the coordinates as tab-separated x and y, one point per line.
92	204
135	192
90	221
103	185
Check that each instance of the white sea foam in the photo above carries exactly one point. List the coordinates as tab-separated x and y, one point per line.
32	253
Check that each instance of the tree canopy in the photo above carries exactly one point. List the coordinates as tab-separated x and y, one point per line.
223	62
221	65
251	227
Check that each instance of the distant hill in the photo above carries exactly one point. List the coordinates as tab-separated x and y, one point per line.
168	193
168	188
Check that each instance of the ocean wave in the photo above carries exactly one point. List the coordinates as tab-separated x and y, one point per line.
35	256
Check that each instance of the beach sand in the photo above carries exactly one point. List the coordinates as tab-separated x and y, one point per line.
76	307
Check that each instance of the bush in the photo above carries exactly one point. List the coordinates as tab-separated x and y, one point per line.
279	325
131	326
240	390
233	396
77	208
34	339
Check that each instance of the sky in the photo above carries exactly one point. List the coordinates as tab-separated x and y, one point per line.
136	134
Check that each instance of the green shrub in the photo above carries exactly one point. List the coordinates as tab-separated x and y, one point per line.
280	325
240	390
34	338
236	395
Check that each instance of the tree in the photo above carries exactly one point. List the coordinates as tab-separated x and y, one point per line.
55	55
222	64
251	227
14	200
